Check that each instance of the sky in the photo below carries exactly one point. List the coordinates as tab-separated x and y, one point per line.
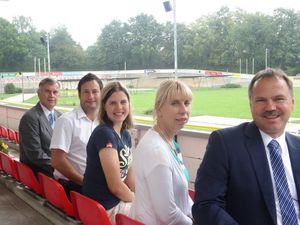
84	19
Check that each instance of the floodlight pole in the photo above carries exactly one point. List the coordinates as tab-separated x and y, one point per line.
175	38
48	53
266	58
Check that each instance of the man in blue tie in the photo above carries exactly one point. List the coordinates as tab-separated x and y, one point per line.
250	174
36	127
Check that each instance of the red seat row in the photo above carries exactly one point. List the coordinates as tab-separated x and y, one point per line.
83	208
9	134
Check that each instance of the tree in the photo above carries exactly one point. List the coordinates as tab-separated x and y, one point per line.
286	39
113	46
145	41
29	38
66	54
12	50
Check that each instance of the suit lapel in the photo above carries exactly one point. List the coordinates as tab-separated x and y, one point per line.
256	150
44	120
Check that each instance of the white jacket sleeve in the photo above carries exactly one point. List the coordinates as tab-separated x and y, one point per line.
159	182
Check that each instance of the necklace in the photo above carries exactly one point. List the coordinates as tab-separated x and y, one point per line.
173	151
164	137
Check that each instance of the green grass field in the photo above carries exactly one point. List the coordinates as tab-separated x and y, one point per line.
4	96
230	102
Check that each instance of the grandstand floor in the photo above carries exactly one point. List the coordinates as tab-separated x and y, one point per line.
14	211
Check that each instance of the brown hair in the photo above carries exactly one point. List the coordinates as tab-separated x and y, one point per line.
107	91
269	73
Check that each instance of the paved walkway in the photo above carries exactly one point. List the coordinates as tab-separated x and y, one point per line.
19	98
14	211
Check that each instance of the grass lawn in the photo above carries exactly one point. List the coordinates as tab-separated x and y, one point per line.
230	102
3	96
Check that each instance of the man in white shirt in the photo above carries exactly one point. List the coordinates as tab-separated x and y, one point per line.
35	129
250	173
72	132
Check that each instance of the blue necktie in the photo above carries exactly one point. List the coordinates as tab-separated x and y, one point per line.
51	120
288	212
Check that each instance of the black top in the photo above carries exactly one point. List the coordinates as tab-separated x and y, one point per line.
94	183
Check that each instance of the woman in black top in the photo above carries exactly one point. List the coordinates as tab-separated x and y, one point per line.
108	178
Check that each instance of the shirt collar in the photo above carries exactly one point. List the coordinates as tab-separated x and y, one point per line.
267	138
81	113
46	111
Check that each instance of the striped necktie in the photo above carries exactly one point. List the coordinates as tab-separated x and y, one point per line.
51	119
287	208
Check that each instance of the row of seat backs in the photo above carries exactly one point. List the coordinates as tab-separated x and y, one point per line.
89	211
8	165
9	134
83	208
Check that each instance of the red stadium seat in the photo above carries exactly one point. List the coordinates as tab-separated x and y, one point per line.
1	168
192	194
9	166
12	135
125	220
17	137
28	178
55	194
89	211
4	132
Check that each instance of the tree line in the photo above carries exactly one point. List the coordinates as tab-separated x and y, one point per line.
234	41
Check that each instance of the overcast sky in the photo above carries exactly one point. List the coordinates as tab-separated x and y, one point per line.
84	19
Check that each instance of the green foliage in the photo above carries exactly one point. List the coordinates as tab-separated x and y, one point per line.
66	55
3	147
226	40
10	88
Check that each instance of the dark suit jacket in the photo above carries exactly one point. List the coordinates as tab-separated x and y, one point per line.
233	184
35	136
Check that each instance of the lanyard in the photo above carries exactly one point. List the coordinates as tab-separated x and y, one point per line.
178	158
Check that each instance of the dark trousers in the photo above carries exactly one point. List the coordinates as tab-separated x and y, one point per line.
70	186
45	169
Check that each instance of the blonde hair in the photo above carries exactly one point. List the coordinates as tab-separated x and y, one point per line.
167	90
107	91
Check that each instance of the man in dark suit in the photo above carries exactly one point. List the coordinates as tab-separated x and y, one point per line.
36	127
237	182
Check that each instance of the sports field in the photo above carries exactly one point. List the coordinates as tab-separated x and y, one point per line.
225	102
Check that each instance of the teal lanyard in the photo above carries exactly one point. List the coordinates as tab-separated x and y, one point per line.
178	158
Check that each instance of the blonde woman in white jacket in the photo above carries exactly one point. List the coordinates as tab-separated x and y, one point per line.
161	179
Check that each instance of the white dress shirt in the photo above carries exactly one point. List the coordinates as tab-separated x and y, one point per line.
288	171
71	134
47	112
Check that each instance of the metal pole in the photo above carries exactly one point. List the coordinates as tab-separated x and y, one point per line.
45	65
34	64
240	65
175	38
246	65
48	52
22	87
125	68
266	58
252	65
39	65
